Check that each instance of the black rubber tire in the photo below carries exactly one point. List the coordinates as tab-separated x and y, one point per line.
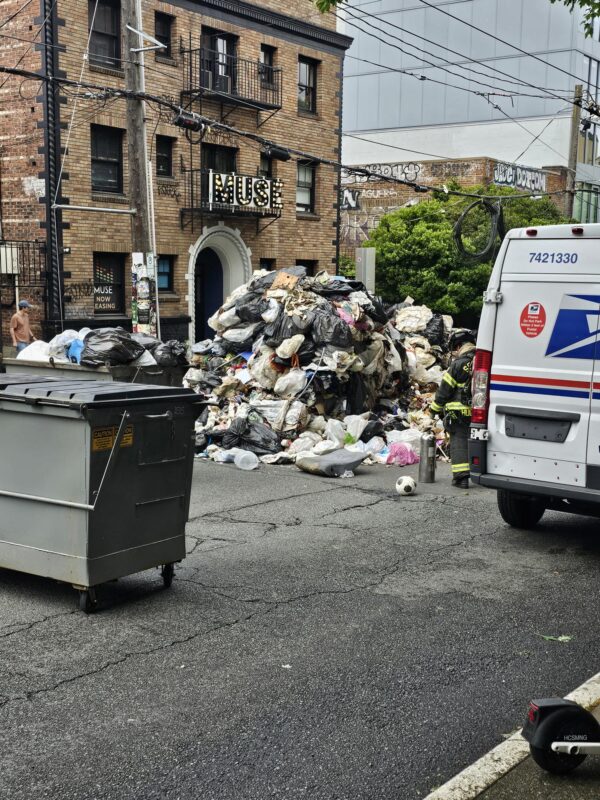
87	601
519	510
168	573
556	763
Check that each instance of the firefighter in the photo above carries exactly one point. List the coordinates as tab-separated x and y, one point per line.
453	399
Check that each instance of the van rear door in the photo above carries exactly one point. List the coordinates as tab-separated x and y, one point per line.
543	360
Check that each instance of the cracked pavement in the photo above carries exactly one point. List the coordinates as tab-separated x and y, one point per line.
324	638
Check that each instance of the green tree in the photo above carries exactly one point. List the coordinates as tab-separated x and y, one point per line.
416	254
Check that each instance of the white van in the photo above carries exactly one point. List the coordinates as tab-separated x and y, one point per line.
535	433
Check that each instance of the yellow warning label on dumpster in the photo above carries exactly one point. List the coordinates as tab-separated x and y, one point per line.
104	438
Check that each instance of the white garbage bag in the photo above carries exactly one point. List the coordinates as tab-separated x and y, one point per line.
291	384
37	351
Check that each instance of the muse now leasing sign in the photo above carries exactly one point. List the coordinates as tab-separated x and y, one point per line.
245	191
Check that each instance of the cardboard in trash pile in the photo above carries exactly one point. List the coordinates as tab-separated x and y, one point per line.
294	354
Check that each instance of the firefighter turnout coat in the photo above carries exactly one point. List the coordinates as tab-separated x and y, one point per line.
453	396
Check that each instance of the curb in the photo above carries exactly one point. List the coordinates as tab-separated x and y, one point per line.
484	772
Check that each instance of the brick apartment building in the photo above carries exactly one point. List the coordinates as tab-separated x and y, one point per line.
262	71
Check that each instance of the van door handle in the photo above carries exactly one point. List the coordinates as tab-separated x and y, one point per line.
167	415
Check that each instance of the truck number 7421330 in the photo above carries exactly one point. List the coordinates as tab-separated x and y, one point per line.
553	258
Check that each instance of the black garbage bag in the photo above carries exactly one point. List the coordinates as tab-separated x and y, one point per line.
170	354
374	427
357	394
284	327
435	331
148	342
328	328
333	287
254	436
249	308
110	346
377	311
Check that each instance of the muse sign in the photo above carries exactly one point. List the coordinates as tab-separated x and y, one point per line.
245	191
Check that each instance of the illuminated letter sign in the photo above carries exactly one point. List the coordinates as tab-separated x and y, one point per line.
244	191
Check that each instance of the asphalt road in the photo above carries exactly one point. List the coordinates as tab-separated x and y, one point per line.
324	639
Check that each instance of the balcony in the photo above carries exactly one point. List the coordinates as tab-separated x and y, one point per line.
231	80
230	194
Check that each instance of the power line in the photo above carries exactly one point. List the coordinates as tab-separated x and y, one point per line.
502	41
263	142
509	78
30	48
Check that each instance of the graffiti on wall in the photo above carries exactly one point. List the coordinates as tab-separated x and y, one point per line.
533	180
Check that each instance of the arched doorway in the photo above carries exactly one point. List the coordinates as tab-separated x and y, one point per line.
208	290
219	263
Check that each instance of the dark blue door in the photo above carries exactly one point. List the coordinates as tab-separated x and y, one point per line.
209	291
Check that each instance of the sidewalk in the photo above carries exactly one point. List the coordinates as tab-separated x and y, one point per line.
508	772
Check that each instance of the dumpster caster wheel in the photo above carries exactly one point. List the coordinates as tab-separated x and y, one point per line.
168	572
87	601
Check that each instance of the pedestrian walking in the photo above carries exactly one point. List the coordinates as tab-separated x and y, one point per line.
20	329
453	399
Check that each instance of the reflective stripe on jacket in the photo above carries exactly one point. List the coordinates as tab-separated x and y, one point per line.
455	384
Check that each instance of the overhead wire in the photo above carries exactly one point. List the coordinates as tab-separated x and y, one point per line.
502	41
511	79
16	13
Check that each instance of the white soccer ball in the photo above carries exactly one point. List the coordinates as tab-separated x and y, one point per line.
406	485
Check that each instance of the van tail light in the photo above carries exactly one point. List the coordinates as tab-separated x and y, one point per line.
480	389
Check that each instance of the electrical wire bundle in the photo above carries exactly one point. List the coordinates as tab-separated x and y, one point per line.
497	229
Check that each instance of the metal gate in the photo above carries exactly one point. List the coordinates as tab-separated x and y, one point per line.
23	275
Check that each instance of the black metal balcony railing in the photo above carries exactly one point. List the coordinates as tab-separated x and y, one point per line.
231	79
197	198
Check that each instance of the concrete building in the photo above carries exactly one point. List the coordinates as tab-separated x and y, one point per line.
462	80
273	74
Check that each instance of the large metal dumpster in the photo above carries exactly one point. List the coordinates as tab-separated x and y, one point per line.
95	479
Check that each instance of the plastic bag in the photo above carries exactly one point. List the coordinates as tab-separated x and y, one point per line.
435	330
148	342
283	328
408	436
75	350
36	351
291	384
262	372
58	346
109	346
290	347
328	328
355	425
241	333
413	318
402	454
283	415
170	354
373	428
145	360
254	436
331	465
375	445
250	308
335	432
272	311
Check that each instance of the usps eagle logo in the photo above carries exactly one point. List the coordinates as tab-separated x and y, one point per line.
575	333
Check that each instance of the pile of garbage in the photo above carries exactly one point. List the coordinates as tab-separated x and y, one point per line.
303	367
106	347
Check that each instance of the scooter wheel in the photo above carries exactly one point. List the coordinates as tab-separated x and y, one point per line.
563	725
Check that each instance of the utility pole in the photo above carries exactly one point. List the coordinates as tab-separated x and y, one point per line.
573	144
145	312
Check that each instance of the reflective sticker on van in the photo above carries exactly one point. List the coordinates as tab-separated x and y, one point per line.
533	319
576	328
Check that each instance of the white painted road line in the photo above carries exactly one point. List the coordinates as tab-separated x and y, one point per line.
494	765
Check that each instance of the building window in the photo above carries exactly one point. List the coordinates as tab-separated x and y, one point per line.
265	169
268	264
109	283
217	61
164	156
219	159
163	30
164	273
307	85
305	187
105	41
267	64
107	159
311	266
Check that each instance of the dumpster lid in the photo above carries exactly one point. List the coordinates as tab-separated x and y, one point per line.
7	379
74	393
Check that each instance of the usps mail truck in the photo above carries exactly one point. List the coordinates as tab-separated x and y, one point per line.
535	433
